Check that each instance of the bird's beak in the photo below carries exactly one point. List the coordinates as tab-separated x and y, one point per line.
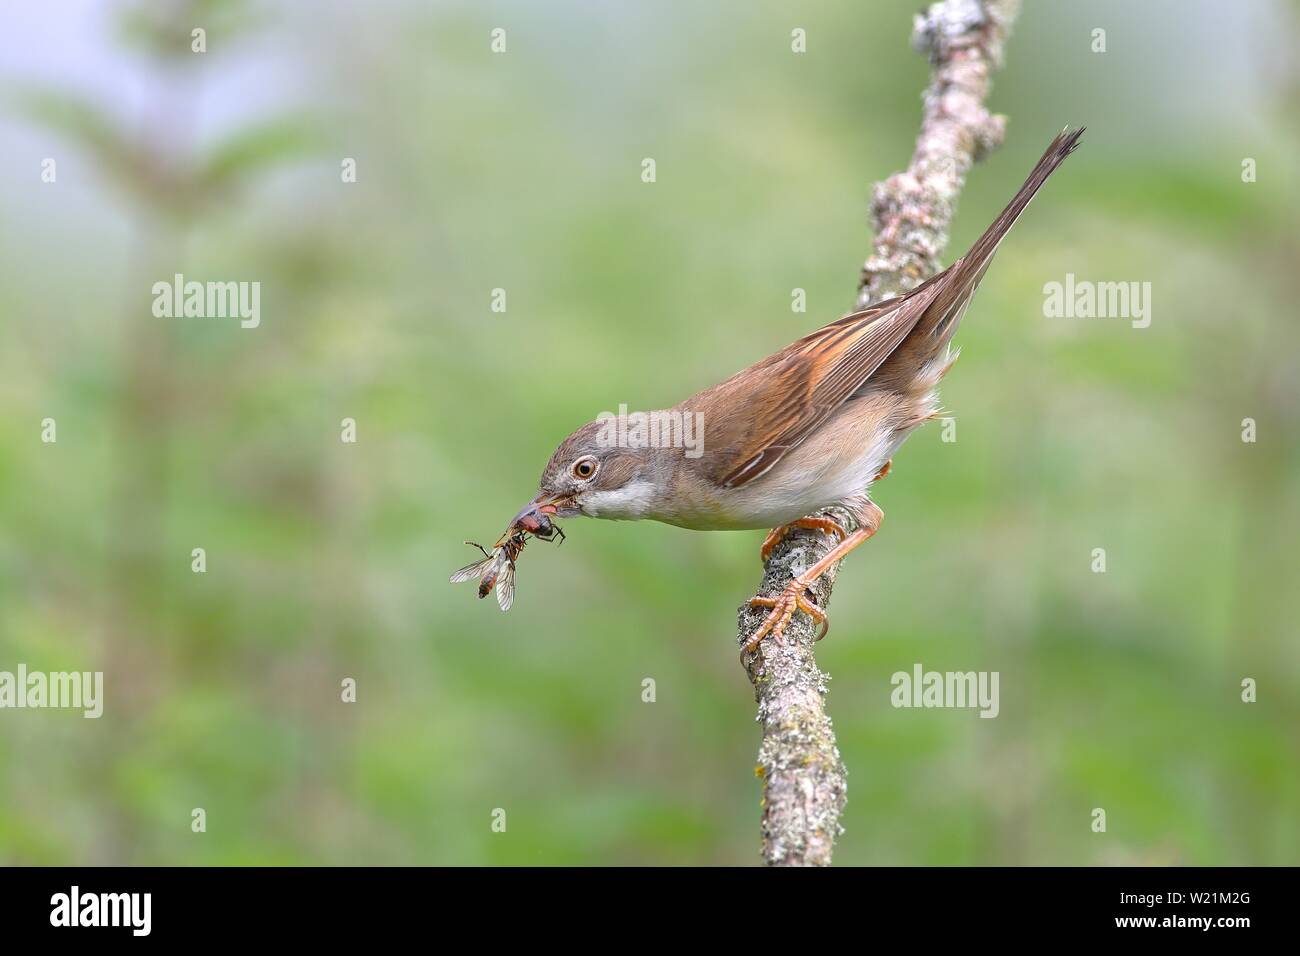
545	504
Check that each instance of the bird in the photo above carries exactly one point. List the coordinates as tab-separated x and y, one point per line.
810	427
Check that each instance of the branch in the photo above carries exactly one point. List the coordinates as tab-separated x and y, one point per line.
804	779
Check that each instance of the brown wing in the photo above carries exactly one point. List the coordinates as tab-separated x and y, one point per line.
762	413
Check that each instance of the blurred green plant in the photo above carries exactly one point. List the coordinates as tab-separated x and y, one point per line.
478	171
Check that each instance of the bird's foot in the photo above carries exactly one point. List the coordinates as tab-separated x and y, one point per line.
795	597
777	535
792	598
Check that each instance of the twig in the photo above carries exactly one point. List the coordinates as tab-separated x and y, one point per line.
804	779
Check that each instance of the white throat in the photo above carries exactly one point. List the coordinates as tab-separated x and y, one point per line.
628	503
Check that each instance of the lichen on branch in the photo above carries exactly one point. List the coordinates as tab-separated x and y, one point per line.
804	778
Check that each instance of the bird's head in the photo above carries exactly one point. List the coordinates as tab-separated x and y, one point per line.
589	474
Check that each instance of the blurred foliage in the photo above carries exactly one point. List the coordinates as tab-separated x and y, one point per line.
164	30
521	171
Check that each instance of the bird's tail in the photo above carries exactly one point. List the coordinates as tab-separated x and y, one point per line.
958	282
972	266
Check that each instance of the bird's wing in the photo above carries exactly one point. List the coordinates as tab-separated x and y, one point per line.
771	407
763	412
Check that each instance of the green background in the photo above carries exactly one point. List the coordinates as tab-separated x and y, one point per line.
522	171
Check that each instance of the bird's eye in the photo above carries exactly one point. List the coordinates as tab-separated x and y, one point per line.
584	468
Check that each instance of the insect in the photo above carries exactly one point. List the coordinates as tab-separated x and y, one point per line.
539	526
497	569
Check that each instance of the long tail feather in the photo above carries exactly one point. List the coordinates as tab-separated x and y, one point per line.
976	261
963	276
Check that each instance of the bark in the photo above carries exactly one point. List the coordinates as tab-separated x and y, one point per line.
804	779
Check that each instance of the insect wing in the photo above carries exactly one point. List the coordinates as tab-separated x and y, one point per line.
506	586
471	572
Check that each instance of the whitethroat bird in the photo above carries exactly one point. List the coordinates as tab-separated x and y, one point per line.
807	428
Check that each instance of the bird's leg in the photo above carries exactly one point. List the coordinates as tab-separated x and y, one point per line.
793	597
777	535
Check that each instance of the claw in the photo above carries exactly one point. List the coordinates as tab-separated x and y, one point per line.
791	599
774	537
777	535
